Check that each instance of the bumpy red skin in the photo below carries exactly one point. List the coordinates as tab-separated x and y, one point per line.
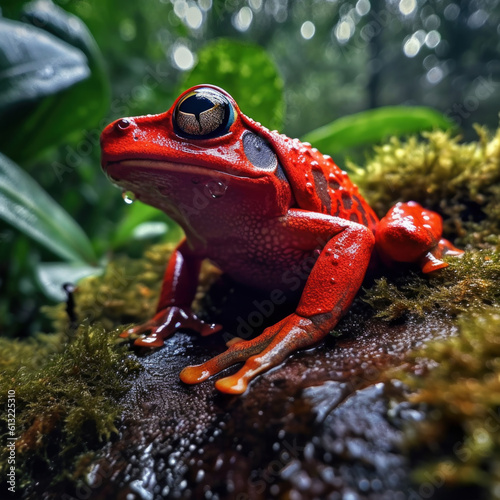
258	226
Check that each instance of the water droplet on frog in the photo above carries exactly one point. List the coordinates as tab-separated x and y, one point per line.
128	197
216	189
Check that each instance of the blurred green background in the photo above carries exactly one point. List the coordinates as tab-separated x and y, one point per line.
70	67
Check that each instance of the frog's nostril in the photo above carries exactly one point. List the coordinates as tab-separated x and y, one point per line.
122	124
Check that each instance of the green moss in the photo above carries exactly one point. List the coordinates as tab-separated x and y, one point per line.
459	181
462	432
471	282
126	292
68	405
459	442
68	384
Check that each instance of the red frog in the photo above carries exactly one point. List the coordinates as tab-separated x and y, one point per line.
257	204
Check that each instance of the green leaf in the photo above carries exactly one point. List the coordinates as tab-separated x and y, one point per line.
25	205
373	126
34	64
135	215
48	16
51	276
143	221
245	71
38	120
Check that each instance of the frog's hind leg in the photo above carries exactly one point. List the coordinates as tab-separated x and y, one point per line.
269	349
330	288
410	233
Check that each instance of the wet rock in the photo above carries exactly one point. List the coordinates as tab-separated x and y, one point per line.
326	424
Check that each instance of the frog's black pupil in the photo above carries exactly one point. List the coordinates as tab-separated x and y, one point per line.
196	104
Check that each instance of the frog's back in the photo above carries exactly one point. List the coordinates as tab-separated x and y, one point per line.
319	185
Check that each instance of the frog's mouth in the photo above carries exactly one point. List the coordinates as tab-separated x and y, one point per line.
123	170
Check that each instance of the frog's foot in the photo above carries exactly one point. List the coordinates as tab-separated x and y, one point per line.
267	350
165	323
410	233
431	260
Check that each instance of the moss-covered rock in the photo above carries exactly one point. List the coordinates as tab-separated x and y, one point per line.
459	442
471	282
459	181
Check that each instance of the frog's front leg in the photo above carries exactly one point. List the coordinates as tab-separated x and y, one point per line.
174	307
330	288
410	233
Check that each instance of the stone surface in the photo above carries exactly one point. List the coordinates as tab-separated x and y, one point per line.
325	424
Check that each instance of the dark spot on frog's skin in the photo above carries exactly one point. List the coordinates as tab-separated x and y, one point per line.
334	185
354	217
337	211
346	200
361	210
321	188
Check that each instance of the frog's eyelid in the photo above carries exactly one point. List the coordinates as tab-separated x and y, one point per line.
258	152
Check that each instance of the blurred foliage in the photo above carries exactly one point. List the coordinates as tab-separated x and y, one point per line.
240	68
58	66
375	125
28	207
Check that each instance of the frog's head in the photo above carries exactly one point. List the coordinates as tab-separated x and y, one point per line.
202	138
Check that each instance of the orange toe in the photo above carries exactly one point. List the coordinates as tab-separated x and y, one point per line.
194	374
231	385
429	263
150	341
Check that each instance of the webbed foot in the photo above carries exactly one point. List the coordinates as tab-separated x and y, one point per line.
165	323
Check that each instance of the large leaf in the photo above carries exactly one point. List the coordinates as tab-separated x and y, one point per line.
48	16
47	119
25	205
35	64
245	71
137	216
373	126
51	276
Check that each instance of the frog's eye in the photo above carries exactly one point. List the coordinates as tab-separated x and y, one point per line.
203	114
258	152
